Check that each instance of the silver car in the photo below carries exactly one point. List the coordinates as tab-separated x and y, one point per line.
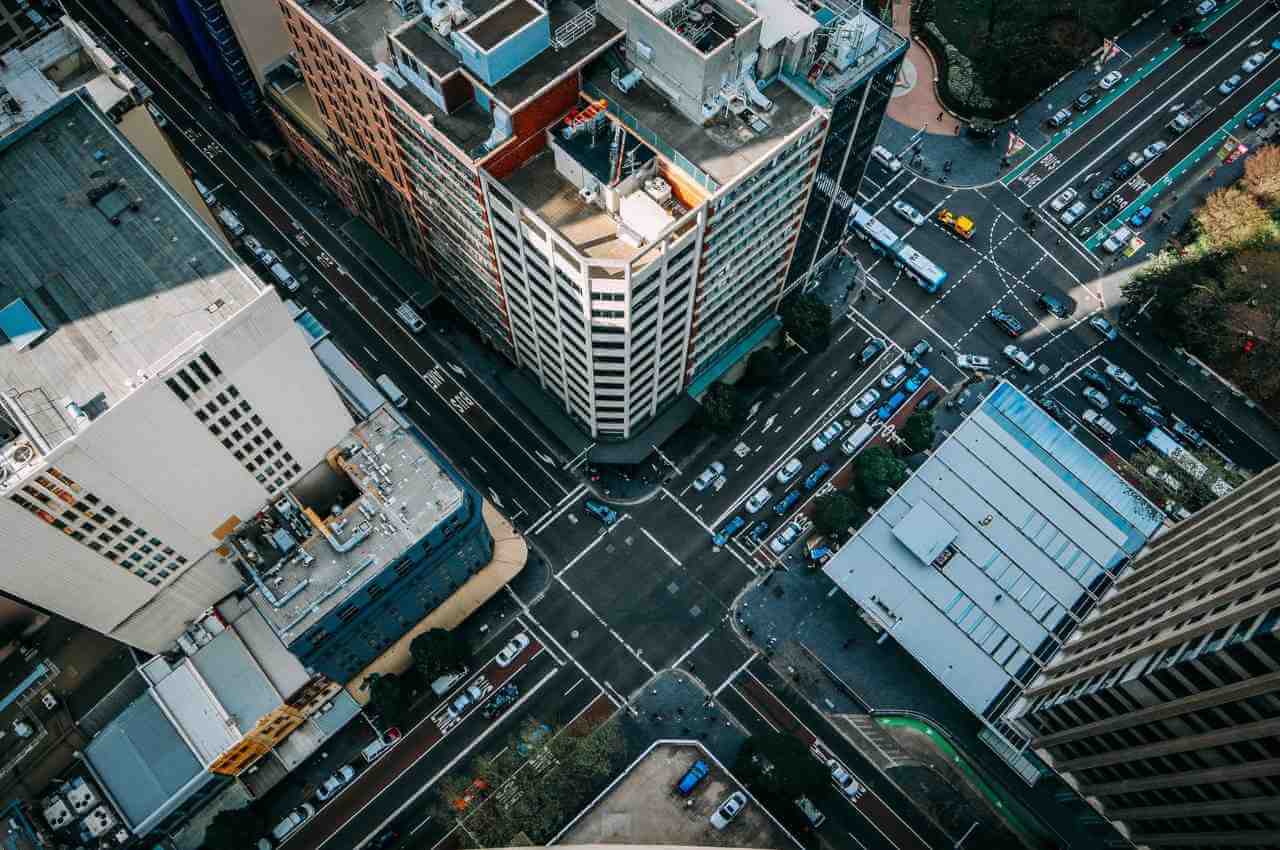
789	534
1059	203
711	473
863	404
1073	213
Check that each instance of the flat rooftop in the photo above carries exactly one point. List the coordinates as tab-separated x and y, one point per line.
363	28
114	299
725	146
553	63
984	561
24	76
385	495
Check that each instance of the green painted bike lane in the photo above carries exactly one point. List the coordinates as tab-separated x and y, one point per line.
1138	76
1184	165
1011	811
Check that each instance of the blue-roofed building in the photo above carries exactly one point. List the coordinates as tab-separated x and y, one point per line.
991	554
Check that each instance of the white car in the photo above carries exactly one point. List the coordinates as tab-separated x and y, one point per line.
1154	149
758	500
711	473
827	437
886	158
292	821
1102	326
1136	159
466	699
789	534
1228	85
1020	357
1163	477
790	470
1059	203
862	404
729	810
1110	80
973	361
894	376
1206	7
1072	214
1096	397
1273	103
908	212
1117	240
1121	377
513	648
848	786
1253	63
334	783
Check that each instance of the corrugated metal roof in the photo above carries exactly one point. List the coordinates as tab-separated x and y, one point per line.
236	680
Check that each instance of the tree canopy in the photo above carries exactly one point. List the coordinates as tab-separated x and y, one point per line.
235	829
763	366
720	407
780	766
389	697
837	511
878	472
808	321
437	652
918	431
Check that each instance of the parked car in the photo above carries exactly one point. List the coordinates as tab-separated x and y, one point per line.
1255	120
1254	62
885	412
1206	7
1020	358
850	787
513	648
1107	212
894	376
711	473
1005	321
827	437
1109	80
917	380
787	502
871	351
1187	434
1137	158
1096	397
736	802
1164	478
758	500
862	404
334	783
1141	217
1118	239
813	479
757	532
1053	408
1083	101
886	158
1121	377
1059	118
1102	326
383	840
790	532
463	701
607	515
1229	85
928	401
1195	38
975	362
920	349
380	745
1059	203
789	470
1055	304
292	821
1154	150
1124	170
1102	189
1073	213
1091	375
1100	425
1273	103
908	212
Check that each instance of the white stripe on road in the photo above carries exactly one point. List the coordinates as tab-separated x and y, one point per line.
735	673
689	651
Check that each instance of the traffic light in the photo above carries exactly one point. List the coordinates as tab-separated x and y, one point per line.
1248	345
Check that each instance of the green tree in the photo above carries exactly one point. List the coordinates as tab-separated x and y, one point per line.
808	321
763	366
720	407
235	829
388	696
1230	216
837	511
918	432
437	652
878	472
780	766
1190	492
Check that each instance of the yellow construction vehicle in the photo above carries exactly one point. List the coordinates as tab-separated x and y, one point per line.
960	225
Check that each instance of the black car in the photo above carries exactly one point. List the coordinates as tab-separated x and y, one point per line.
1108	212
1051	407
1084	101
1211	430
1102	190
1195	39
1188	435
871	351
383	839
758	531
1182	25
929	401
1098	379
1139	408
1005	322
1124	170
1055	304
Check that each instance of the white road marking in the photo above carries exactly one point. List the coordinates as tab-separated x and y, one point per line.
735	673
664	549
689	651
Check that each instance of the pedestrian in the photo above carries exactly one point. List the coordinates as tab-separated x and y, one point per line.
957	129
941	112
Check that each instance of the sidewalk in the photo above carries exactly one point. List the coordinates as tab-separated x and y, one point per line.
161	40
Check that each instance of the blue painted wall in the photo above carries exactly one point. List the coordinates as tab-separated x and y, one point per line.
510	55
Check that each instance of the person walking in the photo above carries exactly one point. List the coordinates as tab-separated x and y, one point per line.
941	112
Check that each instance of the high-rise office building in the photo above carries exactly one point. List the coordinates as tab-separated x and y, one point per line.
152	392
1163	709
616	194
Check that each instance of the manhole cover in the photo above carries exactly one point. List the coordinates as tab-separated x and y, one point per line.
673	588
629	540
610	548
696	611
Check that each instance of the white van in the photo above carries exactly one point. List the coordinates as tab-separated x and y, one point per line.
1117	240
230	222
858	439
391	391
281	274
886	158
441	685
205	192
410	317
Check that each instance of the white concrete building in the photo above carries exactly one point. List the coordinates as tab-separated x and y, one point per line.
153	393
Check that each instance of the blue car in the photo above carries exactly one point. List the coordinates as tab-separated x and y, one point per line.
758	531
730	528
1140	217
917	380
891	406
1255	120
601	511
787	501
815	477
